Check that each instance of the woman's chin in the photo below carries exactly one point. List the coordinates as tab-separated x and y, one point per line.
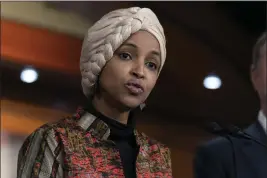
131	102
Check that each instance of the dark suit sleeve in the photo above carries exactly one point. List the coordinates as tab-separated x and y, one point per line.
207	164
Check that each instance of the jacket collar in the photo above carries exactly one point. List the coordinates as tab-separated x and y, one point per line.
256	130
98	128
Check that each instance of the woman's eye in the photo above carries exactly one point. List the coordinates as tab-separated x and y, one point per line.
125	56
151	65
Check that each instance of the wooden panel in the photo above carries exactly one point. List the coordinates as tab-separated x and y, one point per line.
42	14
23	119
39	47
182	163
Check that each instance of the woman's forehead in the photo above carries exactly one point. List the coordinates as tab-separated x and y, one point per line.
143	40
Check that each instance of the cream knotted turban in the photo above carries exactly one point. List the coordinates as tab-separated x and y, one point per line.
108	34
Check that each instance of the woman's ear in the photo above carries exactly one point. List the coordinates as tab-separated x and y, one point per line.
254	76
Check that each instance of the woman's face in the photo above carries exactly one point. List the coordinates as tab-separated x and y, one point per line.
130	75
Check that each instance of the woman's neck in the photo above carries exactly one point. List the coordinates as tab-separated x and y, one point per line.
110	111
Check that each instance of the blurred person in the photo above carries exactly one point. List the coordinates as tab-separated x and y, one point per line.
237	156
121	59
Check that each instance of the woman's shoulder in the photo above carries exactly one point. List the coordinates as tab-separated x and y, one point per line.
67	123
49	135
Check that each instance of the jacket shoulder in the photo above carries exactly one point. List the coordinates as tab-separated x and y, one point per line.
219	148
48	132
216	143
49	129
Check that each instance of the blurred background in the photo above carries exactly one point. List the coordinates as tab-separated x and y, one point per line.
205	78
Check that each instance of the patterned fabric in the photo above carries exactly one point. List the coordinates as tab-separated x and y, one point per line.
78	147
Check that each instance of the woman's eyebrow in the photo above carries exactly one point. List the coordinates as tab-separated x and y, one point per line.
157	56
156	53
130	44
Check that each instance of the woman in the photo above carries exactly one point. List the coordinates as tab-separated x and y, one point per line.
122	56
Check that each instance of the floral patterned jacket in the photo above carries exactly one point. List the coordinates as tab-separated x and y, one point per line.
78	147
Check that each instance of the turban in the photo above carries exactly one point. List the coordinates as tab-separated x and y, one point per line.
108	34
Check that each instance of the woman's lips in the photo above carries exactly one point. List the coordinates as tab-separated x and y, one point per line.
134	87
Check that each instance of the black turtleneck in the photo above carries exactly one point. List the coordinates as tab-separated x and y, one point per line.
124	138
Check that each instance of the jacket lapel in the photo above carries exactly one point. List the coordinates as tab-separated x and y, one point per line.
257	132
256	154
142	160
